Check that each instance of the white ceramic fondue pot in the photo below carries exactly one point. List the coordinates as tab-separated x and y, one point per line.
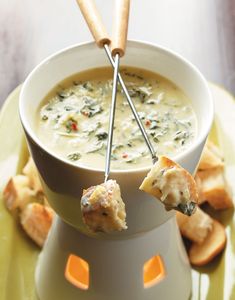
115	265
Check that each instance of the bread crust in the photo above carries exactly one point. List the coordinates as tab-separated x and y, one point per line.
211	157
214	188
201	254
17	193
36	220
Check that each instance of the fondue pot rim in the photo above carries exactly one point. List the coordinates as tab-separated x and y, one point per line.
197	141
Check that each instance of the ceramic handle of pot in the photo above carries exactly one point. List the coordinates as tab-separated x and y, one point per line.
120	27
94	22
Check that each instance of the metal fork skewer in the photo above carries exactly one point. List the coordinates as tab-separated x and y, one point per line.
132	106
111	116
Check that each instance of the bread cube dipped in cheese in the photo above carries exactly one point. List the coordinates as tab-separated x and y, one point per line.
36	220
103	209
172	185
196	227
17	193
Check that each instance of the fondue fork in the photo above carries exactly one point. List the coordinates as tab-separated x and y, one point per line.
95	24
118	47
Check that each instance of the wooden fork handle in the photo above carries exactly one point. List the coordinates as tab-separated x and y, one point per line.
94	21
120	27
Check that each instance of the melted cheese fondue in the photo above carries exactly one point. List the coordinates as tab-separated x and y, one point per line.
72	120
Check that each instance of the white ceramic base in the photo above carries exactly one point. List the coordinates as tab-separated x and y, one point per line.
116	266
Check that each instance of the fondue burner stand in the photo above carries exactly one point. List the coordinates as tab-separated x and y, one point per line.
138	264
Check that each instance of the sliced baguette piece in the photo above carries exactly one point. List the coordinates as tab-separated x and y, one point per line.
211	157
172	185
196	227
36	220
17	193
215	189
201	254
31	172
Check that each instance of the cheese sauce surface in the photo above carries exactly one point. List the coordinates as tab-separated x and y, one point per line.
72	120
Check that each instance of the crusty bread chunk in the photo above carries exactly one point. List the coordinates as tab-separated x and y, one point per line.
172	185
201	254
36	220
31	172
196	227
103	208
22	194
211	157
215	189
17	193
